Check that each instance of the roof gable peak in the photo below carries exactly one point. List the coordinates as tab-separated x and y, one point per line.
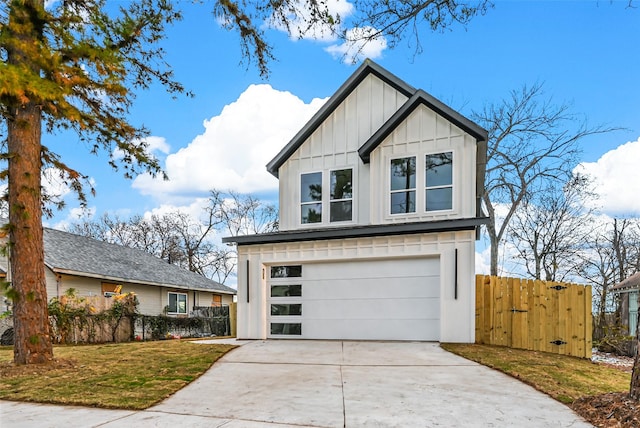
368	67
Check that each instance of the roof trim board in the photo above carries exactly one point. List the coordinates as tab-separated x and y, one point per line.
368	67
358	232
138	282
420	97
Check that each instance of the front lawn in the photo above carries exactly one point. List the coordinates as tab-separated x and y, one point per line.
564	378
133	375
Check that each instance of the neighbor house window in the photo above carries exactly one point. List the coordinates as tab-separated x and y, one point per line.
341	198
177	303
403	185
439	181
311	198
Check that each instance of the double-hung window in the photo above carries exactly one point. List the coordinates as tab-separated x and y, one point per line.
341	207
177	303
439	181
338	200
403	185
311	198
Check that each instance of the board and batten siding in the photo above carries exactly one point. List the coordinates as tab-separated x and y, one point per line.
425	132
335	145
457	314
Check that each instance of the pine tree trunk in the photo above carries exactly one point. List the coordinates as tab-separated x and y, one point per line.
32	340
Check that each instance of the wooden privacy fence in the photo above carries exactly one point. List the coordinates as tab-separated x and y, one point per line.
535	315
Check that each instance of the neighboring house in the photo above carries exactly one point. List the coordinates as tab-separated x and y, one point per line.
379	211
628	291
96	268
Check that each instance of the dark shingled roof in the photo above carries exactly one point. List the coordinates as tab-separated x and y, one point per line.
78	255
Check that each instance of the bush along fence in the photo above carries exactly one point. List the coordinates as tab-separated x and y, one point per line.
92	319
532	314
205	321
98	319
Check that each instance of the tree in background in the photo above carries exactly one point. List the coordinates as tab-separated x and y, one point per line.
550	227
610	254
532	144
190	242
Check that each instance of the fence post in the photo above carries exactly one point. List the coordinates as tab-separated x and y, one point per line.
233	317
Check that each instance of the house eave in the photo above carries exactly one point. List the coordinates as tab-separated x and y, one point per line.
134	281
359	231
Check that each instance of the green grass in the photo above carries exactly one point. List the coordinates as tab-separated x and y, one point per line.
561	377
133	375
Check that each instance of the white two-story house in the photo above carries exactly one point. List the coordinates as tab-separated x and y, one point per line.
379	212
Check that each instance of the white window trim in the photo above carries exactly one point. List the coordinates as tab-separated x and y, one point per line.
300	204
421	188
452	185
326	198
186	301
414	189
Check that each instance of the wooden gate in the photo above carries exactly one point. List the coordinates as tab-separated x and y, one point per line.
535	315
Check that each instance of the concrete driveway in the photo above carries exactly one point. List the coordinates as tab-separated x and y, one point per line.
329	384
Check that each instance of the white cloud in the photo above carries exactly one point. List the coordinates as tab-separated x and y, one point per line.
236	145
483	261
154	145
357	47
157	144
54	185
318	31
617	179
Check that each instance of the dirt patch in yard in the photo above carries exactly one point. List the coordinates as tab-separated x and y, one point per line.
614	409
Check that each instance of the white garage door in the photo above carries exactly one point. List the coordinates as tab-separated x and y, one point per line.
370	300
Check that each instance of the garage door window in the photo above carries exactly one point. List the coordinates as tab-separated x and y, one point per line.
286	271
286	329
286	290
285	300
286	309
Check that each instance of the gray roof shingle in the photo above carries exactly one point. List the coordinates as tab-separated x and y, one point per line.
78	255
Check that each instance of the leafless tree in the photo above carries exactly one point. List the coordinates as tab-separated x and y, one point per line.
550	227
610	254
532	141
186	241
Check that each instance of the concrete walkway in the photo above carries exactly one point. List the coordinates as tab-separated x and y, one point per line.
328	384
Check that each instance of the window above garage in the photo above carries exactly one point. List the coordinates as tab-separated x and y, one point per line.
326	197
437	182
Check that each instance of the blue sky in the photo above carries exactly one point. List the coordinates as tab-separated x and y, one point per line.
586	53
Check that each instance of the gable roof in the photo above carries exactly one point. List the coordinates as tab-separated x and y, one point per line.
415	97
420	97
631	283
73	254
366	68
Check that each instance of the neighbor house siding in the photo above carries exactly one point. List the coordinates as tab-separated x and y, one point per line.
425	132
335	145
149	297
457	312
85	287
